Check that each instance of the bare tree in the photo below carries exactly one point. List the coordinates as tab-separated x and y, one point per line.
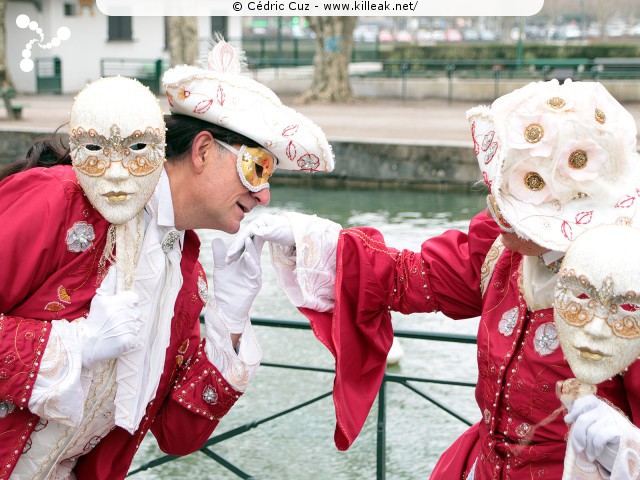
334	44
5	80
183	43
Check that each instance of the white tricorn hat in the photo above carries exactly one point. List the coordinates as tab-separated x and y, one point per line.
222	95
558	159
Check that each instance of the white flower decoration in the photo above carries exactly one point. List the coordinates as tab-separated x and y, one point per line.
581	160
524	184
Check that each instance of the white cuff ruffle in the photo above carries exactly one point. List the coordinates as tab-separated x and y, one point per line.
236	367
307	273
60	388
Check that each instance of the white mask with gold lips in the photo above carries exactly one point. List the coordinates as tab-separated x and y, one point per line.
117	141
597	302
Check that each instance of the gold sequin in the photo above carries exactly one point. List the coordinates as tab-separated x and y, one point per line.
533	181
578	159
600	116
556	103
533	133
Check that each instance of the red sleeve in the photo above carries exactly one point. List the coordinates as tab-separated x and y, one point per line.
454	263
33	209
22	343
33	212
371	280
199	399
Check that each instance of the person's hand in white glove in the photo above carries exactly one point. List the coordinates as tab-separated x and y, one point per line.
113	323
236	284
265	227
597	429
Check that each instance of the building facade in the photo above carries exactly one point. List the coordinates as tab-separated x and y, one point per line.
98	44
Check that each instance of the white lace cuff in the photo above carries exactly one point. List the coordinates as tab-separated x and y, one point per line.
236	368
307	273
58	393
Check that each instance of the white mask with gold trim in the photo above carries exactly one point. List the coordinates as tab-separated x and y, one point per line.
117	141
597	302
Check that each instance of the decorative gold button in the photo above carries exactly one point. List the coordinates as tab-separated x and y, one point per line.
578	159
534	133
556	103
533	181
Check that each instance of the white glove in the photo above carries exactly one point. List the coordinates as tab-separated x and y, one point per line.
113	323
265	227
597	429
235	285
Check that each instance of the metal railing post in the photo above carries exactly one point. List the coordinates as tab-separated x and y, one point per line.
381	435
449	70
405	71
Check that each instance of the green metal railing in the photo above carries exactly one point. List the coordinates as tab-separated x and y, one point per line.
146	70
297	54
497	70
406	381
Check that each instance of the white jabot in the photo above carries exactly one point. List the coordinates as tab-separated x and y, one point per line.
157	281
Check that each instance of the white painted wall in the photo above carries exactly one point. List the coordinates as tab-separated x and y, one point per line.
81	53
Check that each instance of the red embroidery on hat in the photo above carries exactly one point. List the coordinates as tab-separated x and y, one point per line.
566	230
476	146
627	202
291	151
290	130
485	177
170	98
490	152
488	138
582	218
183	94
308	162
203	106
221	97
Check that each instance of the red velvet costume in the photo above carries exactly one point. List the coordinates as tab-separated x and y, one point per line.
519	359
41	280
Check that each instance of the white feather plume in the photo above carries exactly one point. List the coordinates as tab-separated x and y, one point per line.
224	58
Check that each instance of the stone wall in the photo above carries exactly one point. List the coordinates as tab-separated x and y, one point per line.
358	164
398	165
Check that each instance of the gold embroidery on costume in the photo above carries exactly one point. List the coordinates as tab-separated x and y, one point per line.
489	263
182	349
63	295
54	307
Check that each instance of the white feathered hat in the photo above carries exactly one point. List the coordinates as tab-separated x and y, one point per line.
558	159
222	95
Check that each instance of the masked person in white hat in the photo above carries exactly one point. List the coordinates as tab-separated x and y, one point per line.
101	285
597	316
557	160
